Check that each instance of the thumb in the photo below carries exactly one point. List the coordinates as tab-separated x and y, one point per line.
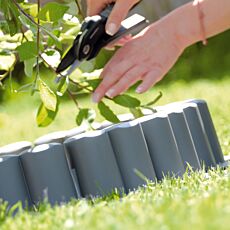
118	14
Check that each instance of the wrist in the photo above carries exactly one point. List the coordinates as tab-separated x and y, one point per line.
184	25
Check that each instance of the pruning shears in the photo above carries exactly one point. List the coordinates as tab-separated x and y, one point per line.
92	38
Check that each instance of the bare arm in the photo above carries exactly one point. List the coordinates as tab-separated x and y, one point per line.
152	53
216	19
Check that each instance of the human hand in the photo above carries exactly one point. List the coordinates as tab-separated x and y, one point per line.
118	14
121	42
147	57
151	54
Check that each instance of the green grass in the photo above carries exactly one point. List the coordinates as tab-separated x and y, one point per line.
193	202
17	117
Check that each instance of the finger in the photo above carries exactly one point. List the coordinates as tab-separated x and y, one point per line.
121	42
149	80
111	77
94	8
127	80
116	67
118	14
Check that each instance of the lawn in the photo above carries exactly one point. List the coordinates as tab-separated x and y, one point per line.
197	201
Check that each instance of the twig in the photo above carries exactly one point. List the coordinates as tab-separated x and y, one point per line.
73	98
38	49
23	35
30	18
79	9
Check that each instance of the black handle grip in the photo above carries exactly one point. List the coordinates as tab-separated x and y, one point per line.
106	12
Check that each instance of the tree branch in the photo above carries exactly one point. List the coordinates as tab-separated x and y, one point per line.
79	9
73	98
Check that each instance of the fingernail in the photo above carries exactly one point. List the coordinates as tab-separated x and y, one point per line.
96	98
111	29
139	90
110	93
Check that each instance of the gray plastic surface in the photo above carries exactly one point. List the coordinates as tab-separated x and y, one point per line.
162	146
93	158
210	130
15	148
184	139
13	187
132	154
55	137
75	131
115	157
199	135
47	174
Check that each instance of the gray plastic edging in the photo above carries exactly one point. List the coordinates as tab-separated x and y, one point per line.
132	154
199	135
47	174
162	146
93	158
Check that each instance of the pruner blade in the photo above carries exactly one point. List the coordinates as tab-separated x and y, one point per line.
67	61
70	57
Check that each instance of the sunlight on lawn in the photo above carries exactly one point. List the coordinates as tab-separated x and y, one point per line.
17	118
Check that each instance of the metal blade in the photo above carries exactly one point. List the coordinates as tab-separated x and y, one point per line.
67	61
67	72
73	67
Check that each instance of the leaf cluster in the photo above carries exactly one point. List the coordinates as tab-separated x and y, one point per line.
38	34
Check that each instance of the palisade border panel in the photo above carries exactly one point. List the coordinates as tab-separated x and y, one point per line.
162	146
47	174
132	154
15	148
13	186
209	129
96	167
199	135
183	138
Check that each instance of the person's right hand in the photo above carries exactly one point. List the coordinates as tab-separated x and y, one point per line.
118	14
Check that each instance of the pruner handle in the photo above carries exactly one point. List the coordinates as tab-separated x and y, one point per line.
106	12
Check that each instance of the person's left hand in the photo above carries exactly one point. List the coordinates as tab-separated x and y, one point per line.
147	57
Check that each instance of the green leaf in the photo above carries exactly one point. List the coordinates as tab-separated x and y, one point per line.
24	88
107	113
12	27
85	114
75	75
26	22
11	15
53	39
28	66
94	83
62	87
52	12
7	62
102	58
52	57
27	50
127	101
44	116
136	112
158	97
48	97
30	8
